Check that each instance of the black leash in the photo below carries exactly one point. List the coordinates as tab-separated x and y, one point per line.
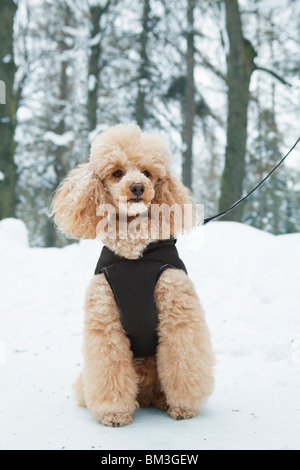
209	219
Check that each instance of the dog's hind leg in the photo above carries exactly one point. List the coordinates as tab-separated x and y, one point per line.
150	392
184	357
108	377
159	400
146	371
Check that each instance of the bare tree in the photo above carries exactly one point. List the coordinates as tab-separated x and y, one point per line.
189	105
101	25
240	66
8	169
144	65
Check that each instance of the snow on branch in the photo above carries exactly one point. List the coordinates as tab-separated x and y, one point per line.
60	140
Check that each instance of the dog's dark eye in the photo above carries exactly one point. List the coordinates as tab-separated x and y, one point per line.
146	173
118	173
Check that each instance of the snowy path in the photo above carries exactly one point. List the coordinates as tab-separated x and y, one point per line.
248	282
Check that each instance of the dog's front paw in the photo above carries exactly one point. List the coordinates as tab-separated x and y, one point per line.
116	420
179	413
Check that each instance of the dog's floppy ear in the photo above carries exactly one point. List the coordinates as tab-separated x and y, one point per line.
171	191
75	201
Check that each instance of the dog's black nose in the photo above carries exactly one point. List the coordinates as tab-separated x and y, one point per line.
137	189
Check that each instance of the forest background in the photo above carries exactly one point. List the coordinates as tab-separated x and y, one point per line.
218	78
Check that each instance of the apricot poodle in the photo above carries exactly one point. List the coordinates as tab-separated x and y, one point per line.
146	342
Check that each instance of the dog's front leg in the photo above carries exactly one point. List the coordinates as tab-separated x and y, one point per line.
108	379
184	357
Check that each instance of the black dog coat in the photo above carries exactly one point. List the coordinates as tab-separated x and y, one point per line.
133	283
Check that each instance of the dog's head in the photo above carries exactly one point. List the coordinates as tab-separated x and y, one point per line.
128	169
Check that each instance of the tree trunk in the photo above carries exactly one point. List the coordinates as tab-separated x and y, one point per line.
240	65
8	169
189	106
143	74
94	66
62	163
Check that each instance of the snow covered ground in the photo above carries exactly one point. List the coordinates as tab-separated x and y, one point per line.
248	282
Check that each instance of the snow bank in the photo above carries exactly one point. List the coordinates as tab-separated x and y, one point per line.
248	282
13	233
